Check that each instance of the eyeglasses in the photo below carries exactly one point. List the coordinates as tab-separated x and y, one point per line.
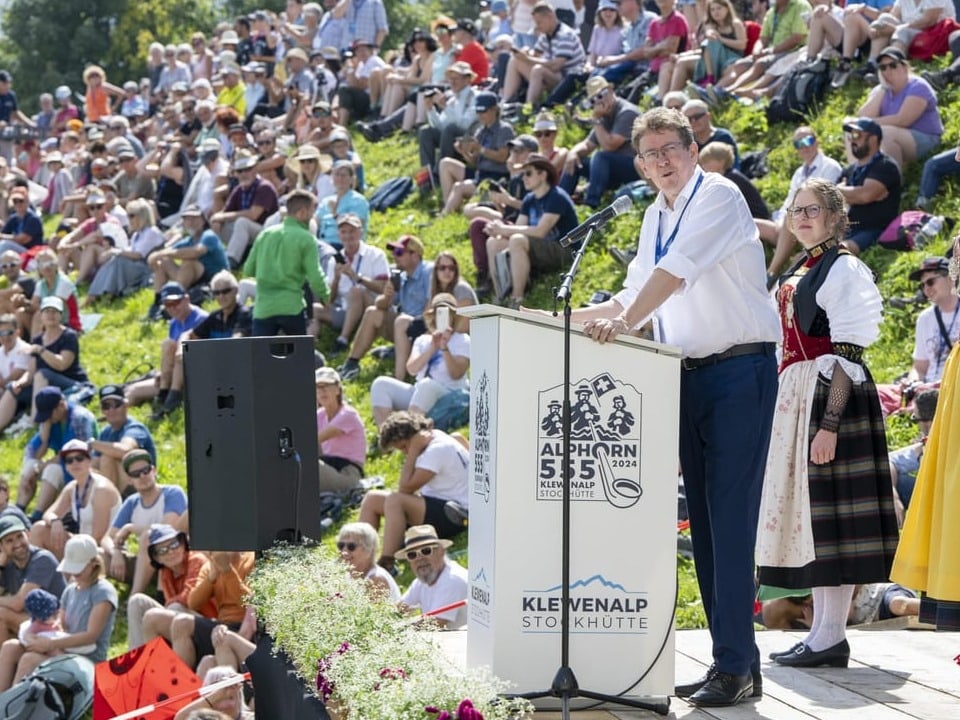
141	472
19	201
113	405
883	67
529	173
263	143
808	211
321	113
348	546
544	133
425	551
162	550
440	268
804	142
698	116
853	134
224	291
75	458
6	333
9	265
929	282
668	151
592	102
45	265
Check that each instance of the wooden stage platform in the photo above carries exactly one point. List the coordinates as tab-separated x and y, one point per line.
894	674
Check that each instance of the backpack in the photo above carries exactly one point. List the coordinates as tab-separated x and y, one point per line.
901	233
451	411
754	164
391	193
804	85
61	688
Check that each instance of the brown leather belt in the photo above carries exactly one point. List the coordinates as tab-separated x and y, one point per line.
757	348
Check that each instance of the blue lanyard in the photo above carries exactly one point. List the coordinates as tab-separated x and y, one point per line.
661	248
78	501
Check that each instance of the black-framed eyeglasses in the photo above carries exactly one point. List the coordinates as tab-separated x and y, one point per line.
528	173
145	470
74	458
808	211
804	142
6	333
451	268
162	550
348	546
223	291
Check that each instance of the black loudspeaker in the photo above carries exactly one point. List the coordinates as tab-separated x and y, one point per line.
251	432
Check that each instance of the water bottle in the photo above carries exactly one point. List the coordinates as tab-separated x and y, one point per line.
931	228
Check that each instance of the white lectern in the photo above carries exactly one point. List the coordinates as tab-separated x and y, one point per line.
624	418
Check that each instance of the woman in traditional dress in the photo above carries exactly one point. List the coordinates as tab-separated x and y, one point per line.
827	519
931	534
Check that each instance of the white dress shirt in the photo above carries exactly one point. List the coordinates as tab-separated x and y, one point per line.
716	252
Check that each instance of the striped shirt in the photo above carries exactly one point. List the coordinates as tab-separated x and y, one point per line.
564	43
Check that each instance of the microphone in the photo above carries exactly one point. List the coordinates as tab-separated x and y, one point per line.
621	205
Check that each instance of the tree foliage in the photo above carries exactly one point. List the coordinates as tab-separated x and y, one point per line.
49	42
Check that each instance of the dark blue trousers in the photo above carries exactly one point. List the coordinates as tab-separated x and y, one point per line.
604	171
726	412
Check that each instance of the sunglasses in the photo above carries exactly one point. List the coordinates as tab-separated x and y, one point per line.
426	552
75	458
399	252
171	303
544	133
9	265
440	268
929	282
697	116
804	142
113	405
225	291
321	113
883	67
168	548
141	472
528	173
6	333
348	546
592	102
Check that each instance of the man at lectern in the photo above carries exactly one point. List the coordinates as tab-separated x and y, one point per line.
699	272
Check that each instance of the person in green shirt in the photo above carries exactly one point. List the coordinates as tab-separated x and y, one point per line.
282	259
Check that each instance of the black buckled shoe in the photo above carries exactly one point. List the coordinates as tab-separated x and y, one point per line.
790	651
688	689
723	690
837	656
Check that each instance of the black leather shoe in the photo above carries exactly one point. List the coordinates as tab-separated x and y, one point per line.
837	656
723	690
779	653
688	689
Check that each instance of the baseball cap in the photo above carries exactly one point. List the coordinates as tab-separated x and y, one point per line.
47	400
135	455
52	301
864	124
486	100
528	142
407	242
10	524
172	291
111	392
935	264
350	219
77	554
326	376
74	446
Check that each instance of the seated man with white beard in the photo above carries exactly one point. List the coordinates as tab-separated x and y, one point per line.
439	582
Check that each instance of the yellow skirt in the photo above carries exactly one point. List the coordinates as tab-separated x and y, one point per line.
927	557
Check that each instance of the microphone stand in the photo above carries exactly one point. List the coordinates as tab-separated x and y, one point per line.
565	684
